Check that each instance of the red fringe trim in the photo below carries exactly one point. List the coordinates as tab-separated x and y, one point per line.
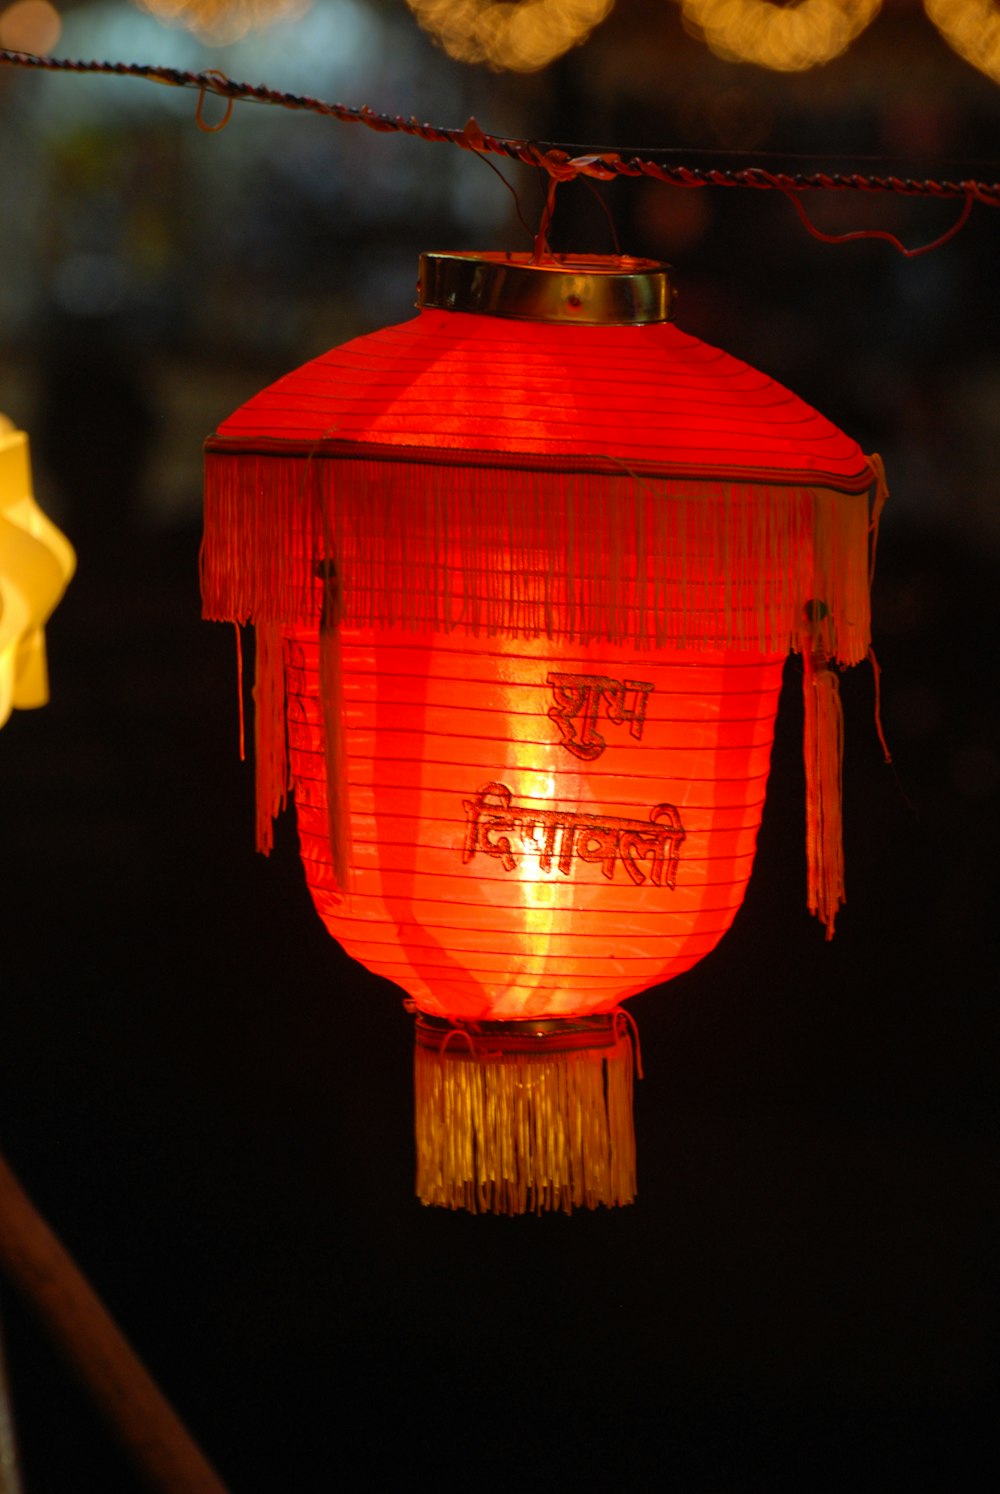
584	556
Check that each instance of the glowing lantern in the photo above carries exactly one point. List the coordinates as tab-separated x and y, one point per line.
36	564
524	572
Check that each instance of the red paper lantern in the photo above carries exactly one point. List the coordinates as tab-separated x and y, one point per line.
524	572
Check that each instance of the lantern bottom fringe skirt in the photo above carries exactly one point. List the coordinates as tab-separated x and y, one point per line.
524	1117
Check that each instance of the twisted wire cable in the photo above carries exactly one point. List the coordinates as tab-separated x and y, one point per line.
562	163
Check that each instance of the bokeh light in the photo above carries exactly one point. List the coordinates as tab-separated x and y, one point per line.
30	26
972	29
786	38
517	37
224	21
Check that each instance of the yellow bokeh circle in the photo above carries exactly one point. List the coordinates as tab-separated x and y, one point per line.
222	21
519	37
787	38
972	29
30	26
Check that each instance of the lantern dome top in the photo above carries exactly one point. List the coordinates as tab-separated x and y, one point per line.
495	386
585	289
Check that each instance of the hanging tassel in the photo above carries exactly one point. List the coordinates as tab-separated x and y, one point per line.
270	744
823	747
823	730
879	500
334	745
523	1117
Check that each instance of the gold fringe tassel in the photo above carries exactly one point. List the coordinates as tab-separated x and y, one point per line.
515	1133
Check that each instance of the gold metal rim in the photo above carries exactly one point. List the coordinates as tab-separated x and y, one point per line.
587	290
545	1038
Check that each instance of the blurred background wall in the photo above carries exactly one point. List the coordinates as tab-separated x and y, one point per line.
207	1098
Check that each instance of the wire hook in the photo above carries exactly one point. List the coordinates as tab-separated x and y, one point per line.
199	117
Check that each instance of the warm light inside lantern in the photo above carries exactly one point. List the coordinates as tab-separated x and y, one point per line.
525	572
535	830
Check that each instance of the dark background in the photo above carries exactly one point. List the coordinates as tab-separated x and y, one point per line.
211	1103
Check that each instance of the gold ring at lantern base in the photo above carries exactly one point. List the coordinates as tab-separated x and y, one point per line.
541	1037
589	289
524	1117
